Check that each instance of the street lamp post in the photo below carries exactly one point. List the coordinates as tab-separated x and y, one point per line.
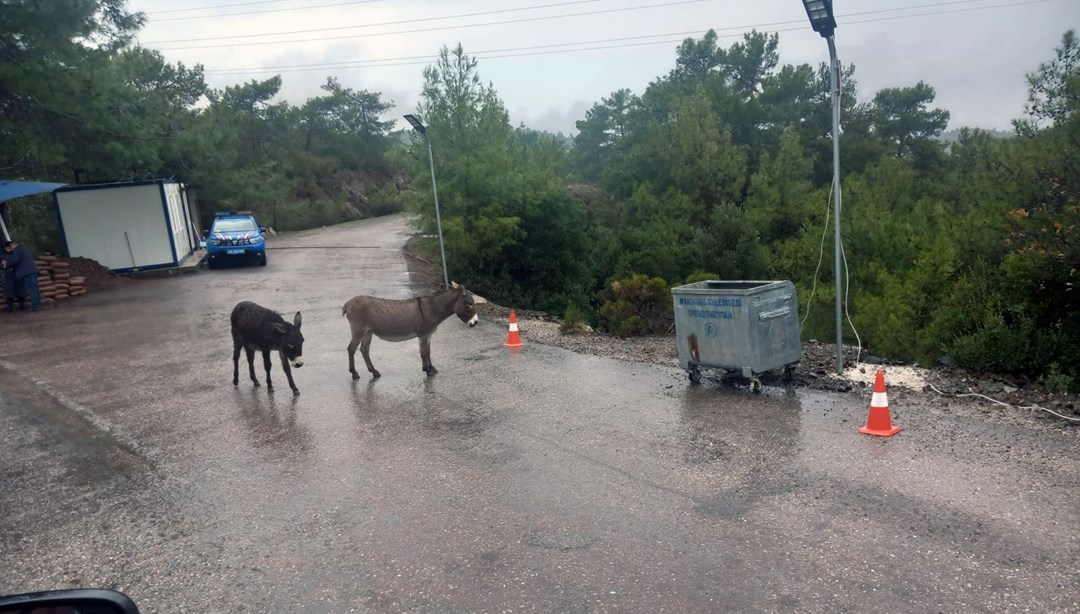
823	21
419	127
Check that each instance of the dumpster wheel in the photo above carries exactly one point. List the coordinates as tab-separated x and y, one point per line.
755	385
694	374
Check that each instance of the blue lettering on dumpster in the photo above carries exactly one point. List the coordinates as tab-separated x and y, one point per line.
704	301
713	315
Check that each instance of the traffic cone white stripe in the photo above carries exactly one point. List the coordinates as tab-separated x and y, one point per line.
513	337
879	421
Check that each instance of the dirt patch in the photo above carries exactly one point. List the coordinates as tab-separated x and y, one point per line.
97	277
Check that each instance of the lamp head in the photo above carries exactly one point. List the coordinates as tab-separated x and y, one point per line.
821	16
419	127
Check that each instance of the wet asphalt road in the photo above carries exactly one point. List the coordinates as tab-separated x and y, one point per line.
535	480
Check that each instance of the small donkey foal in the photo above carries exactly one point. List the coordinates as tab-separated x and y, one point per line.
255	327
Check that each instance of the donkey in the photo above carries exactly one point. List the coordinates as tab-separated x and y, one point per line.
257	328
401	320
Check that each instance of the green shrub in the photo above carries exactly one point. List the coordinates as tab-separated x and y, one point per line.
386	200
632	326
573	320
1053	380
637	305
998	345
697	276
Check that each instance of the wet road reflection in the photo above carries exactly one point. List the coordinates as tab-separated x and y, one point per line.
272	426
530	479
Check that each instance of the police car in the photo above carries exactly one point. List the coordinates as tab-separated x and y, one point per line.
235	237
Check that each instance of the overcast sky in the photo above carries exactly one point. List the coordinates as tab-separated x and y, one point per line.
975	53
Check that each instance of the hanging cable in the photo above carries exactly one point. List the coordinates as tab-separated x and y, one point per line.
847	295
821	254
996	402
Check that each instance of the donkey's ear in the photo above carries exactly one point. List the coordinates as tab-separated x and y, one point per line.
281	328
296	320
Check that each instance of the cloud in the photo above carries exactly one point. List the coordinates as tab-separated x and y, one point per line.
563	119
975	59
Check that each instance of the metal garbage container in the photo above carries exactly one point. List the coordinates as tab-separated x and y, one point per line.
745	326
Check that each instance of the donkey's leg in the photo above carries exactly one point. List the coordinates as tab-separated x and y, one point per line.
365	345
352	356
251	364
266	364
288	372
237	344
425	355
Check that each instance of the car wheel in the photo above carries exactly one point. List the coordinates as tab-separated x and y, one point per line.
262	260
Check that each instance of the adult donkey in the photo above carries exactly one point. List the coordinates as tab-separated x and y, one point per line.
401	320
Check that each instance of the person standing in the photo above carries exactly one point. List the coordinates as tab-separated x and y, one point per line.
12	289
21	261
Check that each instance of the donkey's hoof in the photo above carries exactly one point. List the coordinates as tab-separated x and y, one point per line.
256	384
296	392
355	375
270	390
236	382
375	374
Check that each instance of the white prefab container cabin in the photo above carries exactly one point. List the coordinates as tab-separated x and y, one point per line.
127	227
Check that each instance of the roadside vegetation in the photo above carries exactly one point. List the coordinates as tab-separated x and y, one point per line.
961	247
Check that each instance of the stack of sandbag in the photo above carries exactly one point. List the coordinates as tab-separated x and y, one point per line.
61	278
55	280
45	282
78	285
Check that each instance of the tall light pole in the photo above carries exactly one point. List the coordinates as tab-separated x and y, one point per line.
823	22
419	127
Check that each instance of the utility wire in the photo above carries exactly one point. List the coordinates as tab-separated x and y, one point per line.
220	16
440	18
355	2
536	50
428	57
436	29
967	10
754	26
222	6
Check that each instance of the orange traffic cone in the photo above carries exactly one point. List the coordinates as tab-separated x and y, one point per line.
879	422
513	339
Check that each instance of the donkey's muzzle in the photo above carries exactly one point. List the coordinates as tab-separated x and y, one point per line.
473	320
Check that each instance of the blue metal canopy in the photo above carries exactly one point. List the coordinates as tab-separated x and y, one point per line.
14	189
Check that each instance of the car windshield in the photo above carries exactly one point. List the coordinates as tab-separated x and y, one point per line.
234	225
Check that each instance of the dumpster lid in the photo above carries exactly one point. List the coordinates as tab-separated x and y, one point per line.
726	285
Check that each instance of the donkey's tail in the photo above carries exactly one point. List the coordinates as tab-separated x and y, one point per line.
344	309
